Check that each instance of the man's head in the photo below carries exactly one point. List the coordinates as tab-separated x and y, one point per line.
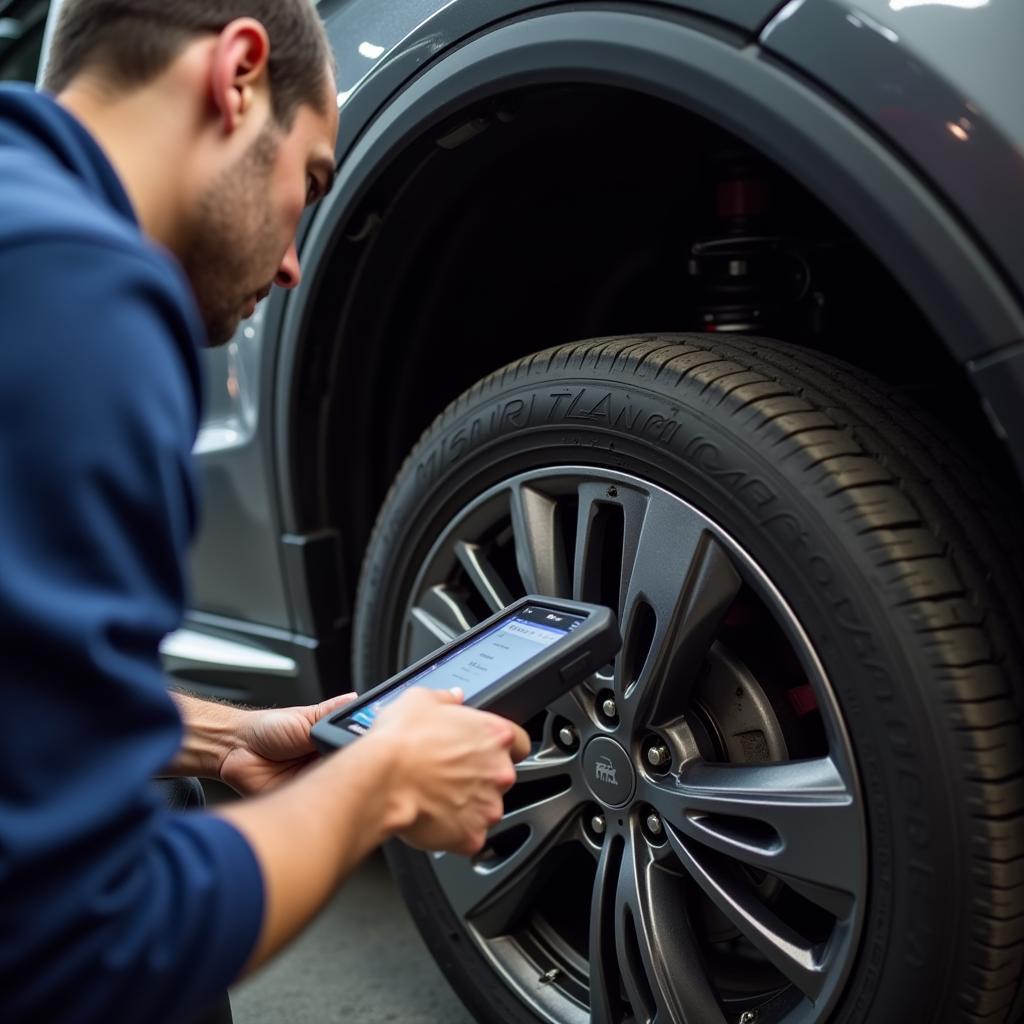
220	117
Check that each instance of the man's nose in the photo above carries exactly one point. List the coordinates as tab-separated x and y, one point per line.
289	273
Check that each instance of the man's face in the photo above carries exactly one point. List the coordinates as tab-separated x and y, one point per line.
241	239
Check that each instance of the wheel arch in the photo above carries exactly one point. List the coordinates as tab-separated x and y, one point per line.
698	67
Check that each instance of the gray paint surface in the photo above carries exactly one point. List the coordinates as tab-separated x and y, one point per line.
360	28
974	45
235	565
942	81
369	37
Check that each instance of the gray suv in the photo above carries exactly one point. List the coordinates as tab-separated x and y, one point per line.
711	311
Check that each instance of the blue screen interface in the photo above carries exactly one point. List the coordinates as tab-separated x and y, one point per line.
484	661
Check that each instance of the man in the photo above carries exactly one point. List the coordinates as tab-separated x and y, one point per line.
144	211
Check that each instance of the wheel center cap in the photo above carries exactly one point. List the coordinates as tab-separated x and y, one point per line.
608	771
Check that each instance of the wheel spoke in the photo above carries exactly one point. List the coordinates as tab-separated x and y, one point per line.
484	577
796	820
799	959
439	617
547	764
491	891
604	970
540	550
659	956
569	706
683	576
599	521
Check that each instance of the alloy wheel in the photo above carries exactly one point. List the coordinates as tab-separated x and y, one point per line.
686	840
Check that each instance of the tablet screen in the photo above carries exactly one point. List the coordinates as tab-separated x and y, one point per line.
485	660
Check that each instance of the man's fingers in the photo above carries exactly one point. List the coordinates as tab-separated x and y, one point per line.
507	779
512	736
452	696
325	707
520	743
416	702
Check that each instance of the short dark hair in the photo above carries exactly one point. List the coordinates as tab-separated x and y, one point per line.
130	42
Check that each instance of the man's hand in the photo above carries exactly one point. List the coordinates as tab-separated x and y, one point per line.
271	746
251	751
451	765
430	771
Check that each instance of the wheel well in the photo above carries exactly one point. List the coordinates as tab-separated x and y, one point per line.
558	214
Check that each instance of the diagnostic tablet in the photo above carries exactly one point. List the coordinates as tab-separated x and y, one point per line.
514	663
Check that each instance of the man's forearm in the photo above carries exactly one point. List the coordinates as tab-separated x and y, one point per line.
211	730
311	834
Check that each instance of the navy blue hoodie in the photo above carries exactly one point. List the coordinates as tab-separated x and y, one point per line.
112	908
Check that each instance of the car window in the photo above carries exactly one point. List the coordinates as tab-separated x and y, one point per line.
21	38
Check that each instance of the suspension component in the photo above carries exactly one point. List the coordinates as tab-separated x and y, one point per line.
747	275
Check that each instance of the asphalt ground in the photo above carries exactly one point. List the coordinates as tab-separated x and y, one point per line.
362	961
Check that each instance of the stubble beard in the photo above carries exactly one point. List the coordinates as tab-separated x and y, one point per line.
232	240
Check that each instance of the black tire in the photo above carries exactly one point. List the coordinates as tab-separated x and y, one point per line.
894	557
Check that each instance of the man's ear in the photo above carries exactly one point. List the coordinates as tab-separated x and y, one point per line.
238	67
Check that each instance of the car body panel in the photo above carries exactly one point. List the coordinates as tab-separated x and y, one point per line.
235	561
364	33
929	76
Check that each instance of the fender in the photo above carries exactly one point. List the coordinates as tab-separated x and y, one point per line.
727	80
376	54
931	78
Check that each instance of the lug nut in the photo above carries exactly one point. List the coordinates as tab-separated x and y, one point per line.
597	824
608	708
658	755
567	736
654	824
